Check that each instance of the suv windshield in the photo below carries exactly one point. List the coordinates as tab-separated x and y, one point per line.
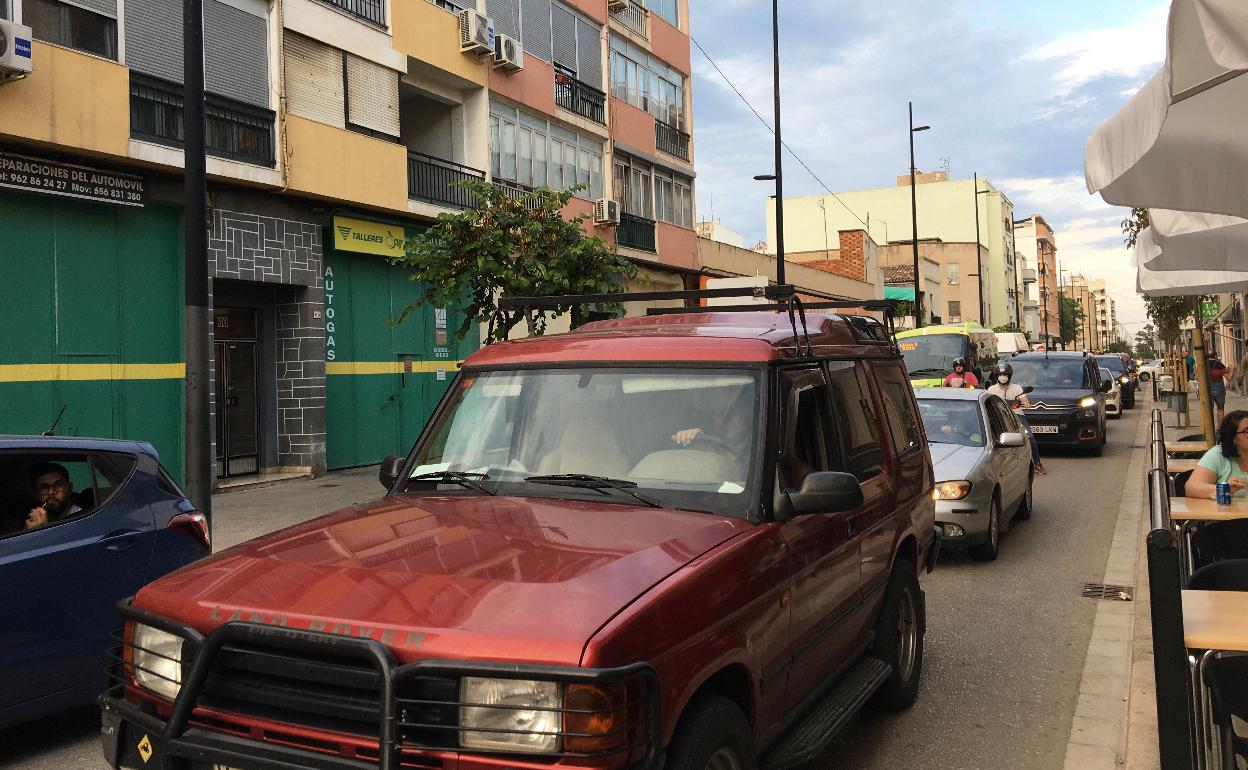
947	421
932	354
684	438
1112	363
1049	373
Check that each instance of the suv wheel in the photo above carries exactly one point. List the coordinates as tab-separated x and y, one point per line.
713	735
988	550
899	638
1024	507
1144	376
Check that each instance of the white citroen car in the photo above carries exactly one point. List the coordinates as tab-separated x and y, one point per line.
1113	397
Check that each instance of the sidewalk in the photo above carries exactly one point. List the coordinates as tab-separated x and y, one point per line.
246	513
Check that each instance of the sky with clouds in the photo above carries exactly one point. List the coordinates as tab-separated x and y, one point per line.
1011	88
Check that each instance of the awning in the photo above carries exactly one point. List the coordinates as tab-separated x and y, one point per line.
1180	143
899	292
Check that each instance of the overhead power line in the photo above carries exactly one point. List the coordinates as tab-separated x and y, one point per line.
768	126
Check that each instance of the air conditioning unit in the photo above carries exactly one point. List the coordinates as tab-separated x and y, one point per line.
508	53
16	57
476	33
617	5
606	212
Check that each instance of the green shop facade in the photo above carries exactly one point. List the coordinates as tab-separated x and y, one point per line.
308	371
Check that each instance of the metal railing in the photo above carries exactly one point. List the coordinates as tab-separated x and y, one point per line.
433	179
369	10
671	140
518	192
581	98
233	129
636	232
634	16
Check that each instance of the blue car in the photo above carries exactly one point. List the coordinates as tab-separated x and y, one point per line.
84	523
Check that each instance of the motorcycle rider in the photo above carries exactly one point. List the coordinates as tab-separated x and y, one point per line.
1013	394
961	377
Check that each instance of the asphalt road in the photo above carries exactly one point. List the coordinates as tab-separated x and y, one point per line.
1004	650
1006	640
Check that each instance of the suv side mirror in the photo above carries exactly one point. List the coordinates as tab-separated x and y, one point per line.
1107	385
1011	439
826	492
1028	388
388	471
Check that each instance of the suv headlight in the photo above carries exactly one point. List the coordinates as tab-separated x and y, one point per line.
157	660
1087	402
510	714
951	490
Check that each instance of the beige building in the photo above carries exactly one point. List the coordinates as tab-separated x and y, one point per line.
722	260
1036	247
1099	328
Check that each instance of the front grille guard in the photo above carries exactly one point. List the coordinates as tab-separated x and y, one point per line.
638	738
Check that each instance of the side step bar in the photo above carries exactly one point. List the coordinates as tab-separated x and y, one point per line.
808	738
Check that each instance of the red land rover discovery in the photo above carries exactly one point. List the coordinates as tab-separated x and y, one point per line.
686	541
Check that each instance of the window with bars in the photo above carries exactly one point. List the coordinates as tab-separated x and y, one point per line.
645	82
955	311
529	151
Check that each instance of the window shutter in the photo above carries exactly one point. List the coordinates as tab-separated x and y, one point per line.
154	39
589	53
372	96
506	16
105	7
563	24
536	33
236	53
314	80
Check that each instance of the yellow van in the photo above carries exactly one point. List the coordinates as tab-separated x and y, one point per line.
930	351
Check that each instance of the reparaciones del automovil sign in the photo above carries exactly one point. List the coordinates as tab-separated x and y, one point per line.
70	180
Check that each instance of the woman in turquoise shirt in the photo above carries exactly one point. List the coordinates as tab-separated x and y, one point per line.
1226	463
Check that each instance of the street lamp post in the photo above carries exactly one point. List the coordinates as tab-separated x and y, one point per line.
979	265
914	224
775	50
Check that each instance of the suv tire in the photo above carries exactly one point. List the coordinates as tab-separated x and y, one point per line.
713	735
988	550
1144	376
899	638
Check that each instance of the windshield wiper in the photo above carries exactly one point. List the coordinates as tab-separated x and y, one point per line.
596	483
463	478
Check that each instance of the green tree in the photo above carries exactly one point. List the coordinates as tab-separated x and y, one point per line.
1120	346
1169	314
509	246
1144	342
1070	320
1135	222
1010	327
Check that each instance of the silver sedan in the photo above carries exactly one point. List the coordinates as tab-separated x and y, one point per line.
982	461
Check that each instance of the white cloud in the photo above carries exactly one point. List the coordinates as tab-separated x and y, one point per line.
1087	55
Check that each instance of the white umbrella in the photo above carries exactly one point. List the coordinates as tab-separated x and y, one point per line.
1187	240
1155	251
1180	142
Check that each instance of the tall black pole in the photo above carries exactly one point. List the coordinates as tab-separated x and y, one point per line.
775	45
914	229
198	314
979	265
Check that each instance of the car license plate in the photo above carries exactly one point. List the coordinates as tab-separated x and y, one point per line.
1044	429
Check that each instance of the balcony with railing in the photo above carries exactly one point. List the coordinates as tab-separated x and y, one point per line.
581	98
632	15
233	129
369	10
518	192
1029	275
437	181
671	140
636	232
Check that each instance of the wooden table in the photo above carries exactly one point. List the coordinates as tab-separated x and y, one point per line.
1215	620
1180	464
1204	509
1187	447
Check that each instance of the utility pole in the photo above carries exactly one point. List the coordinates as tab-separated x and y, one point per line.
775	46
198	427
979	265
914	225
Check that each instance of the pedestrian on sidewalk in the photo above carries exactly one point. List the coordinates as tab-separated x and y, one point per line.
1218	376
1241	373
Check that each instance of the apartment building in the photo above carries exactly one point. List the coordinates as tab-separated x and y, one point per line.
336	130
1036	247
947	211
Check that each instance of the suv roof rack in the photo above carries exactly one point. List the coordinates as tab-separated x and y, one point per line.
865	328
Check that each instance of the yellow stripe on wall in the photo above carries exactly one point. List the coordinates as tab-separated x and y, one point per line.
53	372
389	367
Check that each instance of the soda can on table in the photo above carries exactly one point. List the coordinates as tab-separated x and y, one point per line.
1222	492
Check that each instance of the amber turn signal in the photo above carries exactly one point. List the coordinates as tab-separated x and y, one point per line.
595	719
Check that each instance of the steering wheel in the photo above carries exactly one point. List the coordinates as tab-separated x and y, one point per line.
717	441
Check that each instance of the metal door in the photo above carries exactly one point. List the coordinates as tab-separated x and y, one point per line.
238	430
413	399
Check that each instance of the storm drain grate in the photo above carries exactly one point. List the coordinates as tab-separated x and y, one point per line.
1105	591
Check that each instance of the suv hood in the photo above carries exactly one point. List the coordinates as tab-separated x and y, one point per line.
1059	397
501	578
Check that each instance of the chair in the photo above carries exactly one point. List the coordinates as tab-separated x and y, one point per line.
1178	483
1228	575
1227	677
1220	540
